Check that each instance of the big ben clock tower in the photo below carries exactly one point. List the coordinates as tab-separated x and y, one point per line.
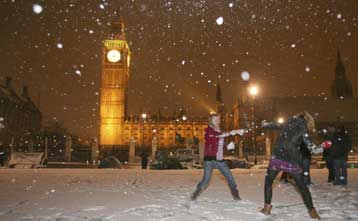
114	83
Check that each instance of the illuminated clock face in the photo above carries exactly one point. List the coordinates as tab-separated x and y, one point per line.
113	56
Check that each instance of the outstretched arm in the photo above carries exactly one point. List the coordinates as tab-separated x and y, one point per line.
232	133
270	125
313	148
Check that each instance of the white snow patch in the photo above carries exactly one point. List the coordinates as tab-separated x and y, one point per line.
129	194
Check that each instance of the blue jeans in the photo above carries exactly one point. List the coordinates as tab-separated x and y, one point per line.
340	168
208	170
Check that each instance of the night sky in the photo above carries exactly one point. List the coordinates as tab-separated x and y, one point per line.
180	50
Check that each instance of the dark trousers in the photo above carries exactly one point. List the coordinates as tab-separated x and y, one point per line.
340	168
306	163
144	163
298	178
331	172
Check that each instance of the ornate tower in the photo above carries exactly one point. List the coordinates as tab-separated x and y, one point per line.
341	87
114	83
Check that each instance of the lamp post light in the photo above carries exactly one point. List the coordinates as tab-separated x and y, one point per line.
280	120
253	91
144	116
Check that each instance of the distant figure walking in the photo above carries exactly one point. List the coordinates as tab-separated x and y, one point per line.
341	145
144	156
327	154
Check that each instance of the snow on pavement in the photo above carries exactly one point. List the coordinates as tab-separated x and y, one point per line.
108	194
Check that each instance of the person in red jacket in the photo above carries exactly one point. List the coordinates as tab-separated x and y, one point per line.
214	157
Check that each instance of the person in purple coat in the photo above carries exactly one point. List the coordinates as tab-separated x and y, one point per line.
214	157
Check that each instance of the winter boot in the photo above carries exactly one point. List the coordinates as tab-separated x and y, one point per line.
195	194
313	213
235	194
267	209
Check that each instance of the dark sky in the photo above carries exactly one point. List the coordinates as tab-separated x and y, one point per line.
179	51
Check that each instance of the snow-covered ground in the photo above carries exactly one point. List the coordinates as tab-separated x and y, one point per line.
94	194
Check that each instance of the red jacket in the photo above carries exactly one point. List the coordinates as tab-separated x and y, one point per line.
211	142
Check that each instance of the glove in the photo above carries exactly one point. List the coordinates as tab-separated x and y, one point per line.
231	146
326	144
264	123
315	149
239	132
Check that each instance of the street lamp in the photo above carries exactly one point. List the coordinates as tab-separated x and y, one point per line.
280	120
253	91
144	116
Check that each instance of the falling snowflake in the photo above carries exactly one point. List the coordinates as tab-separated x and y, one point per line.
245	75
37	9
220	20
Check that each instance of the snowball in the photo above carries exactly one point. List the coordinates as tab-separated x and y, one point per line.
220	20
37	8
101	6
78	72
231	4
307	69
293	45
59	45
245	75
339	16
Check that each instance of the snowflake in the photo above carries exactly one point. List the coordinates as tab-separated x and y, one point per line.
220	20
37	9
